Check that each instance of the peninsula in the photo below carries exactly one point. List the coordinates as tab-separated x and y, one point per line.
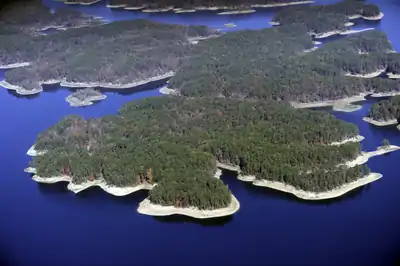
85	97
142	52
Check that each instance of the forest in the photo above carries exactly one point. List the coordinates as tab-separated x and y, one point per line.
187	4
325	18
117	53
30	16
177	141
270	64
386	109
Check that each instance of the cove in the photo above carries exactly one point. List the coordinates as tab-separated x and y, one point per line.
47	225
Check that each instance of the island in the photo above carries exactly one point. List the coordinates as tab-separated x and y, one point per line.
265	139
385	112
236	6
117	55
325	20
85	97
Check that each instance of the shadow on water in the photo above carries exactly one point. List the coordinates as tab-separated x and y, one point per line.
96	193
53	189
181	219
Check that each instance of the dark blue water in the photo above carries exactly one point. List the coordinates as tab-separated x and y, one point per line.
48	225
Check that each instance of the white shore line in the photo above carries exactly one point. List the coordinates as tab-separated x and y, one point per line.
64	83
184	11
167	91
115	6
310	50
32	152
230	25
274	23
237	12
358	138
349	24
307	195
148	208
393	76
15	65
346	107
378	17
368	75
74	102
385	94
83	4
347	32
338	103
30	170
282	4
158	10
325	34
364	156
380	123
132	7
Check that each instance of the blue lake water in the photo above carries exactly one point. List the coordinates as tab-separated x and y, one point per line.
48	225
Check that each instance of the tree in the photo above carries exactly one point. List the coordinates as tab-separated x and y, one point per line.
385	143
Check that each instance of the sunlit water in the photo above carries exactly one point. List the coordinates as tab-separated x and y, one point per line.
48	225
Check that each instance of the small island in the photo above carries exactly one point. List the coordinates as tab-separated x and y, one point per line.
85	97
385	112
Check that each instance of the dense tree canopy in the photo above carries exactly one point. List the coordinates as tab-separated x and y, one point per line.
325	18
385	109
271	64
117	53
173	140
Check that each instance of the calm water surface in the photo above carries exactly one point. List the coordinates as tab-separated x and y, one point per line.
48	225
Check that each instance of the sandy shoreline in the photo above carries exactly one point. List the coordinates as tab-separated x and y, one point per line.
364	156
306	195
368	75
354	31
148	208
32	152
15	65
64	83
73	102
378	17
385	94
167	91
380	123
358	138
339	103
237	12
393	76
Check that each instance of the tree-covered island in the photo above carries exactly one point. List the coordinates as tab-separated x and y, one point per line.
324	20
385	112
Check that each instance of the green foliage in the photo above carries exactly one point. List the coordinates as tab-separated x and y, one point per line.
385	143
385	109
177	141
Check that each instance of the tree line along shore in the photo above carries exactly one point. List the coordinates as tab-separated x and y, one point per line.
213	120
385	112
191	5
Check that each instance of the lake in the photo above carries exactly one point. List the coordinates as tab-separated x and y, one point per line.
48	225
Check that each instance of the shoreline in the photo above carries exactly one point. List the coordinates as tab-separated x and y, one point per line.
385	94
368	75
307	195
167	91
237	12
380	123
338	103
347	32
393	76
148	208
32	152
15	65
377	17
73	102
358	138
64	83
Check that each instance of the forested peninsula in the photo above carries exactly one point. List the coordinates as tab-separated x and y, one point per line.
118	55
325	20
270	64
385	112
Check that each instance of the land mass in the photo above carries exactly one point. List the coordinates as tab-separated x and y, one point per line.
385	112
85	97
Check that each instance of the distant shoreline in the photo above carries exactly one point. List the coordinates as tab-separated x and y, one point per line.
211	8
337	104
73	102
368	75
64	83
84	4
377	17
